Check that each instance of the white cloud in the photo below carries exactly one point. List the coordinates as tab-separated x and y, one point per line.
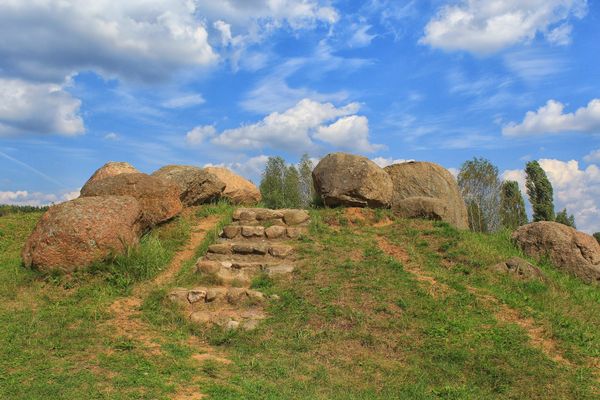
575	188
593	156
361	36
552	119
348	133
200	134
384	162
184	101
26	198
251	169
295	129
487	26
38	108
139	39
561	35
111	136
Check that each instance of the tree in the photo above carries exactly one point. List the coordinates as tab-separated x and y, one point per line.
307	189
480	187
564	218
272	183
280	184
291	188
539	190
512	206
597	236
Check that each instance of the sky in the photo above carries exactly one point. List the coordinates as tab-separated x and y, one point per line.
232	82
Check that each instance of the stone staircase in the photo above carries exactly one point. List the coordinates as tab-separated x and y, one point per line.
258	241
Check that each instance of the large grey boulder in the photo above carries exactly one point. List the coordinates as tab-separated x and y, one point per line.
426	179
568	249
196	185
348	180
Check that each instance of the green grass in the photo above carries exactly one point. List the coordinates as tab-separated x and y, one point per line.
353	323
55	340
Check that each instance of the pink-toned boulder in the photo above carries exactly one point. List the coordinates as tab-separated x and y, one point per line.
111	168
238	190
196	185
76	233
568	249
158	198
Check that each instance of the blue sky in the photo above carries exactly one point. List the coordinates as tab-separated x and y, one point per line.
157	82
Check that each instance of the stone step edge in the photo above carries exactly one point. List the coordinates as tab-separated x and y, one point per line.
258	231
275	250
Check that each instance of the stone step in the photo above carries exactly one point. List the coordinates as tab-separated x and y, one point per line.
260	232
204	297
277	250
264	216
240	274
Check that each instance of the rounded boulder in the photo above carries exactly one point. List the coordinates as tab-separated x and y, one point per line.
159	199
354	181
238	190
111	168
568	249
426	179
79	232
196	185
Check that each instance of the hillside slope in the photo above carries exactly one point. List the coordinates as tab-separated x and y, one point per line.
378	308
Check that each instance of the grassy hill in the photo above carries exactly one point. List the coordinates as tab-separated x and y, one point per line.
379	308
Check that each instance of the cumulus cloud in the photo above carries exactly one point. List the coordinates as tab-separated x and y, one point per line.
551	118
26	198
487	26
575	188
133	39
296	129
200	134
38	108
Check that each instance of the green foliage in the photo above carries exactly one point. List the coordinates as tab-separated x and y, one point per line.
6	209
564	218
512	206
282	186
540	192
480	187
597	236
307	189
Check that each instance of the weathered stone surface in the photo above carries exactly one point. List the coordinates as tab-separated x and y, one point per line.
111	168
568	249
348	180
231	231
422	207
280	251
295	217
220	248
294	233
237	189
158	199
519	268
196	185
425	179
253	231
208	267
79	232
275	232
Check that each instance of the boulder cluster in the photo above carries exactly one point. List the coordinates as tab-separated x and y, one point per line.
118	204
411	189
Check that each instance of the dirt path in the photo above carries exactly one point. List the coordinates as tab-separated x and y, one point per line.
536	334
127	321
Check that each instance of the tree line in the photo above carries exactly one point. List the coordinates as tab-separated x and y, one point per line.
493	204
